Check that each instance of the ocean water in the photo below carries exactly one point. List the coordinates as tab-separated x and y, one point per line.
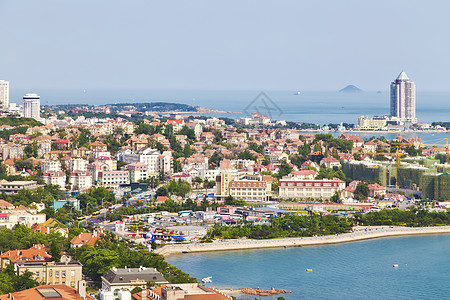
309	106
357	270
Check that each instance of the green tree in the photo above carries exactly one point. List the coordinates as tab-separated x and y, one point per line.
361	191
55	252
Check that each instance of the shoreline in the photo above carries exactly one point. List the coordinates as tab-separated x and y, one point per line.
359	234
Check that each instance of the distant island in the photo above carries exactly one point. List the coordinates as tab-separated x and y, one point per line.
350	89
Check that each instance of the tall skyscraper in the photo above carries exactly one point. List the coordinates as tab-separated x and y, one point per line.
403	99
32	106
4	95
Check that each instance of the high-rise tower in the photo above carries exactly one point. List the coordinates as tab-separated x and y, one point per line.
4	95
32	106
403	99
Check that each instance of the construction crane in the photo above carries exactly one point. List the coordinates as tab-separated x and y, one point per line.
397	160
446	146
396	153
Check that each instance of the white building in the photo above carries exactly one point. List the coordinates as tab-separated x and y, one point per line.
113	178
155	161
78	164
56	178
403	99
49	165
315	189
80	180
27	217
4	94
116	280
32	106
138	171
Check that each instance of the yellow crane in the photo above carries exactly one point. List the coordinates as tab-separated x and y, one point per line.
397	160
396	153
446	146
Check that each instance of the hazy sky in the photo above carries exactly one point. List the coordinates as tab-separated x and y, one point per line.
196	44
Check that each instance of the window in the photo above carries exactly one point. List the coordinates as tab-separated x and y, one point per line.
56	274
72	273
37	274
50	273
63	274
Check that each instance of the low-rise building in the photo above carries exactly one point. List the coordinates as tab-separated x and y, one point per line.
68	273
27	217
80	180
36	253
127	279
316	189
113	178
59	291
55	178
85	238
12	187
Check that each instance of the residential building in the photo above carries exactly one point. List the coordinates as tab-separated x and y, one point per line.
403	99
85	238
21	215
12	187
80	181
316	189
181	291
50	165
32	106
68	273
371	123
116	280
4	94
36	253
138	171
78	164
44	292
56	178
113	178
330	162
250	188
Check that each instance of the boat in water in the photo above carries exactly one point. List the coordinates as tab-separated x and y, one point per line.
207	279
297	93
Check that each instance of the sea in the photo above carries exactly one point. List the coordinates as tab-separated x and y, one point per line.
356	270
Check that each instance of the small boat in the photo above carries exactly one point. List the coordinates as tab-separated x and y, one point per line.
308	270
297	93
207	279
395	265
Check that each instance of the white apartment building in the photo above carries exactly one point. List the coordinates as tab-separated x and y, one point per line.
78	164
138	171
113	178
316	189
27	217
56	178
4	94
80	180
32	106
49	165
155	161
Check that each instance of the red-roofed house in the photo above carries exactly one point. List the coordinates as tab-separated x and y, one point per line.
34	254
86	238
330	162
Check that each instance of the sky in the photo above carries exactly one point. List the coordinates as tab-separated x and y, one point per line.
223	45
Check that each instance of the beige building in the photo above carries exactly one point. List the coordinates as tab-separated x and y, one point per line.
316	189
371	123
12	187
68	273
27	217
250	188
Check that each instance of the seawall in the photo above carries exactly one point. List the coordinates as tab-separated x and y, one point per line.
245	244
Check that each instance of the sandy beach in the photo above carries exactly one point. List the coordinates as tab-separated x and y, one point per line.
359	233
